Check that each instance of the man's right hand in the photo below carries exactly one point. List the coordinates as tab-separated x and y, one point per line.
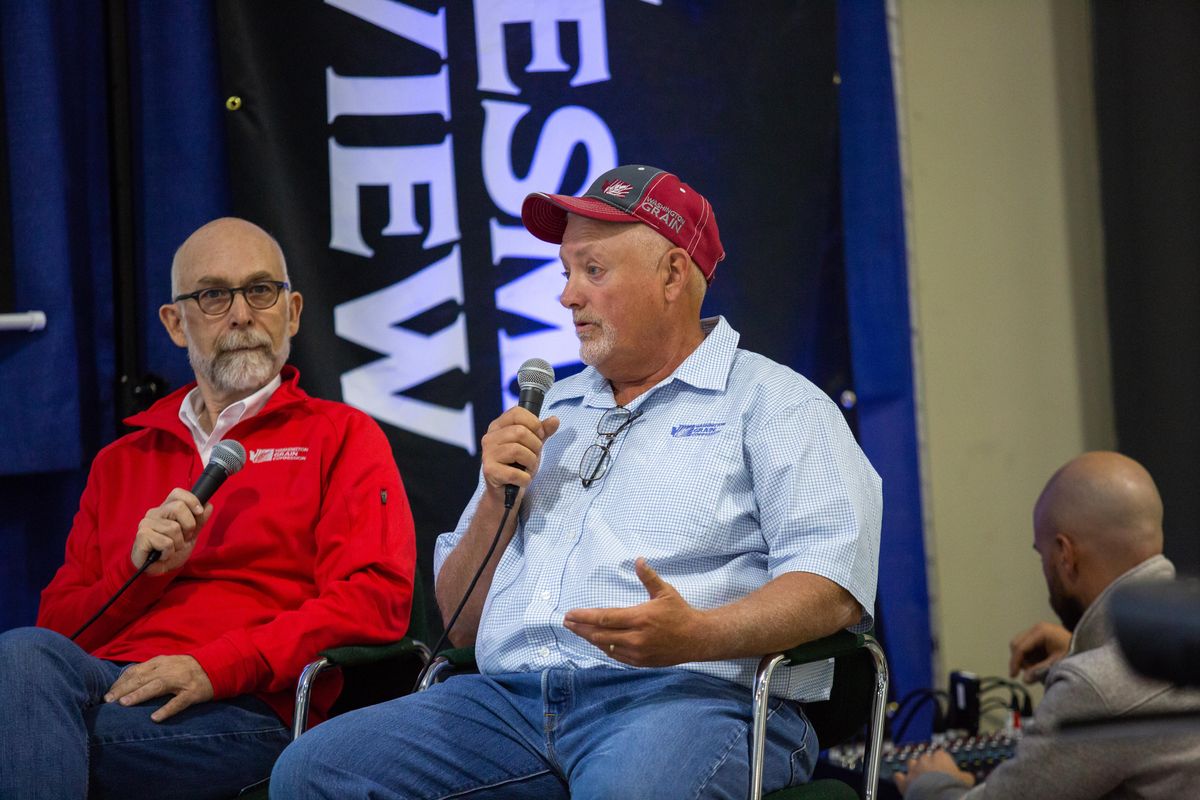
1035	651
172	529
513	438
512	448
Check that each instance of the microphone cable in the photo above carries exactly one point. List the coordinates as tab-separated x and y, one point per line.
154	554
535	377
437	648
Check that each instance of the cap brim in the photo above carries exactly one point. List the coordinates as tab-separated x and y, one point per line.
545	215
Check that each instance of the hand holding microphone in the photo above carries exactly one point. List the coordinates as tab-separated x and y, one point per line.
512	449
167	534
512	446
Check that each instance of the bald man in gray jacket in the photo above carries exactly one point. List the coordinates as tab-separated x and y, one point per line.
1097	526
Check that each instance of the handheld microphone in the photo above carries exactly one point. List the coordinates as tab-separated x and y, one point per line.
226	458
535	377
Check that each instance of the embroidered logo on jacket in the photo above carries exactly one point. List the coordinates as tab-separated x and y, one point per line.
703	429
265	454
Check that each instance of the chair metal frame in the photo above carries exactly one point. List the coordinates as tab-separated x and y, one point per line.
432	672
874	746
308	677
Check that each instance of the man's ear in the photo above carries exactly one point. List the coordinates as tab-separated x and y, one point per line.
678	269
295	306
1068	555
171	319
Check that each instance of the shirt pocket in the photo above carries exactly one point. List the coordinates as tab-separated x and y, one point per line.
687	491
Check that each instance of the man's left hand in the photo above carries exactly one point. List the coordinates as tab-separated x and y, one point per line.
934	761
181	676
661	632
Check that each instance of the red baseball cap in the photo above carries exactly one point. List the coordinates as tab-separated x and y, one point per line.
635	193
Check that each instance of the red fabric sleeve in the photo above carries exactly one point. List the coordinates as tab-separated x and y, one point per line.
84	582
365	557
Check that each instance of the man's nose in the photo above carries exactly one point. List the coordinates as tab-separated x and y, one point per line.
570	296
240	313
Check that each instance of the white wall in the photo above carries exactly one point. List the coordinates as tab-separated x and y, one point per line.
1004	231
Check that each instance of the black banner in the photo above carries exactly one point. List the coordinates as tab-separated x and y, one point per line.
388	146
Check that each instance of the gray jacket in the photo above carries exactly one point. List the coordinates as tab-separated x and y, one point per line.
1093	681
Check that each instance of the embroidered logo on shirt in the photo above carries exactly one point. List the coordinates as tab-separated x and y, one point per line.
703	429
265	454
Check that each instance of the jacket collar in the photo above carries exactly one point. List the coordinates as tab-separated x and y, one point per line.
164	414
1095	628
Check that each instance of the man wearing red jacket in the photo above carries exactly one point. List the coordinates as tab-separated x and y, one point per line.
182	687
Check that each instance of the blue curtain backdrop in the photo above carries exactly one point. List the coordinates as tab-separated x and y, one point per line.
56	386
880	344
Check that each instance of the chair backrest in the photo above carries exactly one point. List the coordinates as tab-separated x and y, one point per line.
418	618
380	677
848	708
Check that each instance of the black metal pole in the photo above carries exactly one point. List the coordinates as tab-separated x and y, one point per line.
120	145
135	390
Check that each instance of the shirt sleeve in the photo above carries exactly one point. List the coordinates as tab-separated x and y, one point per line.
365	559
819	500
448	541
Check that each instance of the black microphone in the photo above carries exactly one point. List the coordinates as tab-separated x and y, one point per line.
226	458
535	377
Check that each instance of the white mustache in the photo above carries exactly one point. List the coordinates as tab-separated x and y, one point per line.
242	341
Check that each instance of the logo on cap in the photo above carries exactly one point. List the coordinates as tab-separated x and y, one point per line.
617	188
663	213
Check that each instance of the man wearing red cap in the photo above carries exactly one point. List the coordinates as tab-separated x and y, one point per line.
685	506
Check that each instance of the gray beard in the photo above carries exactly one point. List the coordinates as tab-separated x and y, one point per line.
238	371
597	348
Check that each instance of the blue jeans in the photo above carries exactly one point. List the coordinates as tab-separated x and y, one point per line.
59	739
594	733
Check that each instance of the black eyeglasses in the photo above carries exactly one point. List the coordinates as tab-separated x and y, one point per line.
217	300
598	458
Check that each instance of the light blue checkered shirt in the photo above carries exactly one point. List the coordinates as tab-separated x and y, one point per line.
737	471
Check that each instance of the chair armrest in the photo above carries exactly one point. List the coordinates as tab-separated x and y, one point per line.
460	657
348	656
832	646
357	655
444	664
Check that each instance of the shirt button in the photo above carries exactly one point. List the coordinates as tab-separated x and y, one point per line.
546	595
544	652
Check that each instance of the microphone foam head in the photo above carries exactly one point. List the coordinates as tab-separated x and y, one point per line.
536	373
229	455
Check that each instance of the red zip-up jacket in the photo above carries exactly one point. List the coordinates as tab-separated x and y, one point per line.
309	546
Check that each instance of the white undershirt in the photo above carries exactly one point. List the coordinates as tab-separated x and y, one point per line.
193	406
